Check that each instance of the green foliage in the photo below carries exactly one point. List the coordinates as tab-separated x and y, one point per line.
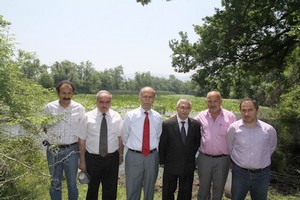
146	2
289	107
22	167
21	101
242	49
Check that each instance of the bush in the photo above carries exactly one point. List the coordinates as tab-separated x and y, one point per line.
289	107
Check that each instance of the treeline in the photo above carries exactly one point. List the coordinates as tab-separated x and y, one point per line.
89	81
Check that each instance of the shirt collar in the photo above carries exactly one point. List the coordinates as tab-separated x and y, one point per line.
257	123
180	120
143	111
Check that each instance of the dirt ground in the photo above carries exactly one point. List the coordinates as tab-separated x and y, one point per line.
158	185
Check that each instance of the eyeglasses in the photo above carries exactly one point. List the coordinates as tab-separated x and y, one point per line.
210	101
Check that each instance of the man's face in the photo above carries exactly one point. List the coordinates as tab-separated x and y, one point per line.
213	102
248	112
183	110
147	99
65	94
103	102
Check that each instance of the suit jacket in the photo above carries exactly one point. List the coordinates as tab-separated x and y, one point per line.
177	157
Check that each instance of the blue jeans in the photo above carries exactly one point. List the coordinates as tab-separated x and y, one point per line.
59	161
255	182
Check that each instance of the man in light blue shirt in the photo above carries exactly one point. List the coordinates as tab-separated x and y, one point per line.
251	143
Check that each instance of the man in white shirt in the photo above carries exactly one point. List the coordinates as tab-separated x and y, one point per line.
101	147
141	132
62	146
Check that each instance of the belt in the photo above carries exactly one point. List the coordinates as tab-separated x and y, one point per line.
215	156
136	151
66	145
107	155
253	170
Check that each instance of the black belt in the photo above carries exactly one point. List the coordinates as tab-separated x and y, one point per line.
136	151
215	156
66	145
253	170
107	155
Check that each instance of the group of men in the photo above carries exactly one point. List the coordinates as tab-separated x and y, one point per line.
214	136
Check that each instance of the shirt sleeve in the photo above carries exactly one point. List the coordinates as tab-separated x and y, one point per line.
162	145
273	139
82	128
125	129
230	138
159	131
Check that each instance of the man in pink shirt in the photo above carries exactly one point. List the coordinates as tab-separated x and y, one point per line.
213	160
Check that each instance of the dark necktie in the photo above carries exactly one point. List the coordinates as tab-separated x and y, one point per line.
183	132
103	137
146	136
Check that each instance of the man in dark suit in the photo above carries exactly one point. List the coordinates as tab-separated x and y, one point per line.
179	142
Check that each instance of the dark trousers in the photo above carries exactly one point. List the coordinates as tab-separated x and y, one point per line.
256	182
170	185
102	170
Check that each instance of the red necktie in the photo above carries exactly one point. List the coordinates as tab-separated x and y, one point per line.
146	136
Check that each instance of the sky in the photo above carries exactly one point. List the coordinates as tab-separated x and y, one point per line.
108	33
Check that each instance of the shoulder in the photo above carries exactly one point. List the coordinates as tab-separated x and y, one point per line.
76	104
265	125
156	114
236	123
114	114
52	103
132	114
201	114
91	112
194	121
170	120
228	112
52	106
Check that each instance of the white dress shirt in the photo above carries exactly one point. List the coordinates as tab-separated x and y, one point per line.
132	131
89	130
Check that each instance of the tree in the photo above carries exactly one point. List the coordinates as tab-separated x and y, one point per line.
146	2
249	38
20	100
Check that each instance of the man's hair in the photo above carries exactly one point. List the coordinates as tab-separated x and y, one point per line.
64	82
249	99
146	87
103	91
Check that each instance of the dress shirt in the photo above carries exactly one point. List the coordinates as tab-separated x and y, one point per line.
65	122
185	124
89	130
213	132
251	147
132	131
